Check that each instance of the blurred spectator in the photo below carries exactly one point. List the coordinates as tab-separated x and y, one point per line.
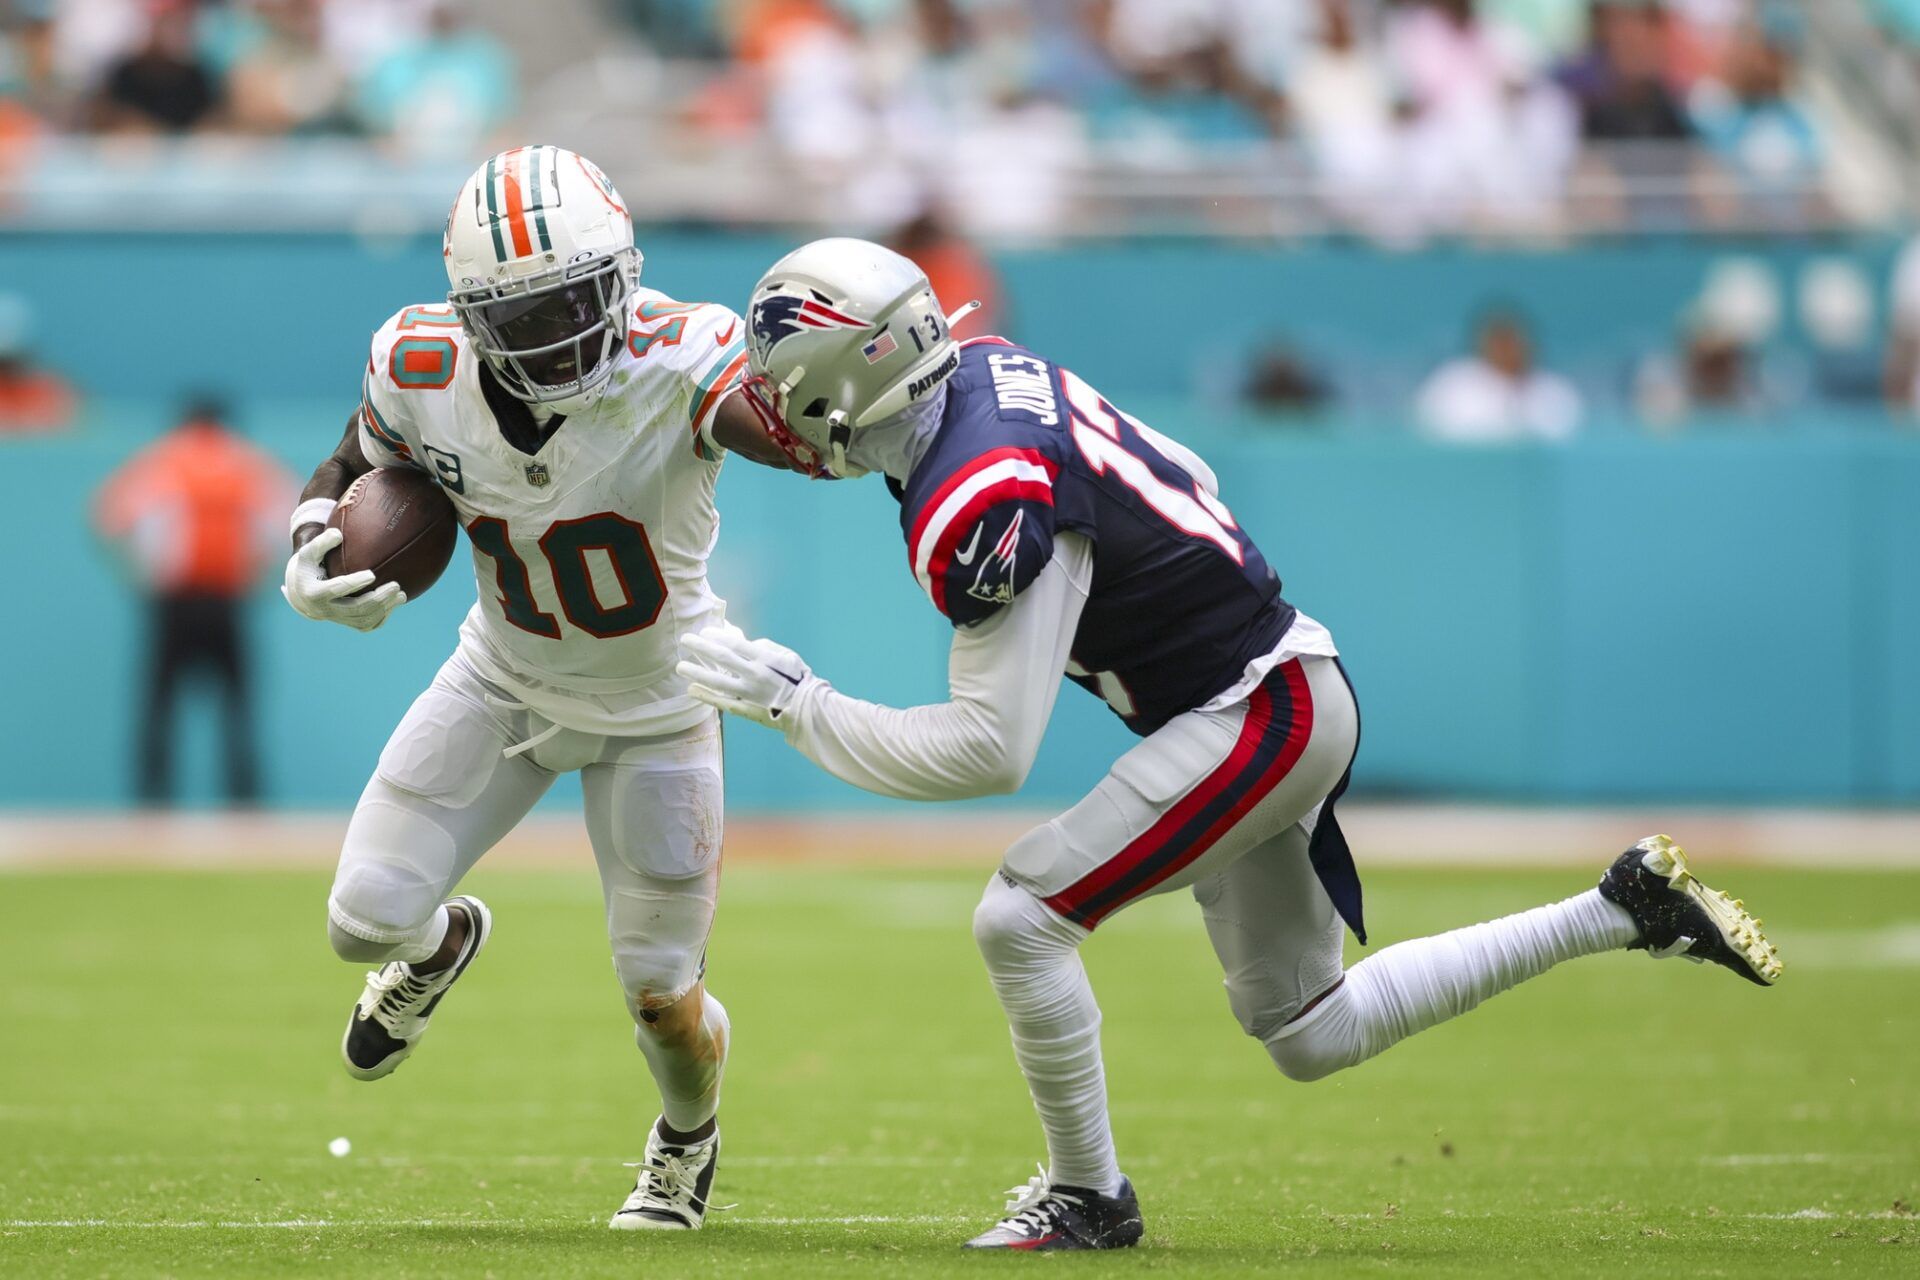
1620	81
283	80
1341	102
32	397
956	268
1903	342
358	34
1760	134
1497	393
1010	169
444	93
1205	70
25	81
1491	140
1282	382
1716	374
90	37
758	29
27	76
199	515
1557	28
163	85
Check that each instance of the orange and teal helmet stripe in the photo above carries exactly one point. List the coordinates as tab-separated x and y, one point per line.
493	209
539	205
516	206
514	189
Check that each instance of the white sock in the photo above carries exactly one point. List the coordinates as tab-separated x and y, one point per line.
1033	957
427	941
1414	985
688	1075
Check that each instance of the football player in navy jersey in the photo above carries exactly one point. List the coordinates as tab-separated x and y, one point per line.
1060	535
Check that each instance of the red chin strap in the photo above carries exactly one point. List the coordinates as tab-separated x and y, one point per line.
801	456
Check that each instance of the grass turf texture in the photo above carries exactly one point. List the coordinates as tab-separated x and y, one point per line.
169	1069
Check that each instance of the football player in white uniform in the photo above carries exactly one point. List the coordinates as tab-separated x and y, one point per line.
577	422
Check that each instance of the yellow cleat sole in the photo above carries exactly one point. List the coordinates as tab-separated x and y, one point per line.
1739	929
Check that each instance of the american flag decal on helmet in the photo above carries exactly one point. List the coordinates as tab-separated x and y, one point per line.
880	348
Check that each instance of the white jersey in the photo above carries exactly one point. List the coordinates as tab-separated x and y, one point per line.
591	551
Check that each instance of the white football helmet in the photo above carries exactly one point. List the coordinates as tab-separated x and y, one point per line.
541	264
843	334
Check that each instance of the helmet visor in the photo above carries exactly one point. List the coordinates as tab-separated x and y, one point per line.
551	337
541	330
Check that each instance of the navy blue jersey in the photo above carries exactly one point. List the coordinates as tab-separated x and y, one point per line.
1182	600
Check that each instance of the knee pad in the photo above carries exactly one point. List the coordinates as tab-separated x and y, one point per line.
655	977
1321	1041
390	881
658	931
1011	926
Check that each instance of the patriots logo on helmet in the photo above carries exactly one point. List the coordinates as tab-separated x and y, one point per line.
779	314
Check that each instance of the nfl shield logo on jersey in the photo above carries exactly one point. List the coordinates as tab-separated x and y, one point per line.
537	475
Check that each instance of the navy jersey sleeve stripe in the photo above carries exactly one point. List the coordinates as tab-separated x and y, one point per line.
950	516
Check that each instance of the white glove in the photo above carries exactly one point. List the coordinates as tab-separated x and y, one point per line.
311	592
757	679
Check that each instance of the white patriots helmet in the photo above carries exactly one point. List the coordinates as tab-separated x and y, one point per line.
843	334
541	263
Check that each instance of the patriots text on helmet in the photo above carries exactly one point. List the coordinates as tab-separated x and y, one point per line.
928	381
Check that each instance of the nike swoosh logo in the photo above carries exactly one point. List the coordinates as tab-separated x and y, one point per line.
966	557
722	339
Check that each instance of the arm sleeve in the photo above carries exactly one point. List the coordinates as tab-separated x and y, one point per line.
384	432
716	362
1002	677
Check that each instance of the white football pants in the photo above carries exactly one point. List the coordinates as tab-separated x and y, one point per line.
445	792
1226	803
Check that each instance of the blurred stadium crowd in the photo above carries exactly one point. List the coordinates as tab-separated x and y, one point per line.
416	73
1396	118
952	124
1401	116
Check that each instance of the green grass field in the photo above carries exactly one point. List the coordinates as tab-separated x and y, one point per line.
169	1082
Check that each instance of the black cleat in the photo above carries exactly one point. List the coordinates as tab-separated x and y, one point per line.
1043	1218
391	1014
1679	916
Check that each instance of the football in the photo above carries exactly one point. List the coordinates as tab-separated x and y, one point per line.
396	522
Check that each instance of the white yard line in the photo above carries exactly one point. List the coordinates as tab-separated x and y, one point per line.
376	1224
807	1220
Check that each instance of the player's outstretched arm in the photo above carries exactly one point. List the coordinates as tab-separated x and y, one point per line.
740	427
307	587
1003	675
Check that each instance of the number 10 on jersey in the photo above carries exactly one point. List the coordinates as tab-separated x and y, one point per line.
565	547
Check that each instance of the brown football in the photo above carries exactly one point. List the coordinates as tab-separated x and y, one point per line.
396	522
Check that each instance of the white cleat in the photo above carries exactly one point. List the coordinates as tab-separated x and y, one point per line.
390	1017
670	1193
